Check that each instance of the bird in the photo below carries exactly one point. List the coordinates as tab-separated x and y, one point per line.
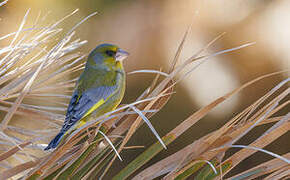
99	89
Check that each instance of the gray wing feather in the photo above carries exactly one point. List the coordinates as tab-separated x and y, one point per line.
77	109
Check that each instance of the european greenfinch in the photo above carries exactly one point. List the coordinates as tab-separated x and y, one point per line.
99	89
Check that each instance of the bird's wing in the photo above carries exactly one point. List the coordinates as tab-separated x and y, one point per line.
82	104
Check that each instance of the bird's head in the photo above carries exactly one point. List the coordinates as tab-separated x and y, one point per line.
107	55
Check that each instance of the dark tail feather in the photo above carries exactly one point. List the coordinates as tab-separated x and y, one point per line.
56	140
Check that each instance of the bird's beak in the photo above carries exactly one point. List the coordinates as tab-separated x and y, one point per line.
121	55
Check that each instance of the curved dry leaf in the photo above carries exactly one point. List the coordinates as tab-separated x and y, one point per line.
262	169
12	151
18	169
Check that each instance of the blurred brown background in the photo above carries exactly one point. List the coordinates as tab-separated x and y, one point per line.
152	30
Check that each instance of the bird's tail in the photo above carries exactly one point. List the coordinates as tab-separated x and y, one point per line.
56	140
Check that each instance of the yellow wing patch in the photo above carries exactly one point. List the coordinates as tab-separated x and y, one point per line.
98	104
80	123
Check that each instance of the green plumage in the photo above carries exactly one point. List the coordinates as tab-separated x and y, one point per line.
99	89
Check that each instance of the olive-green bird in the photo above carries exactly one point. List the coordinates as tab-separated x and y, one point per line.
99	89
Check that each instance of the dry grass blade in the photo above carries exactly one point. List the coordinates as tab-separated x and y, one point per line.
282	173
12	151
262	150
179	49
149	125
149	71
174	173
262	169
18	169
4	2
112	145
204	59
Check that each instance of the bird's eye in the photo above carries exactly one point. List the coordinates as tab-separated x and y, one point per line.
110	53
